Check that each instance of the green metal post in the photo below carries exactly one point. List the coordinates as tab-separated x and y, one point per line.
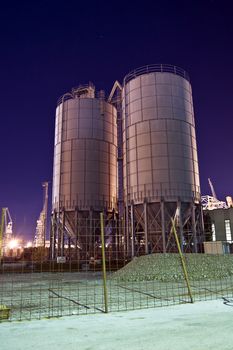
104	264
182	261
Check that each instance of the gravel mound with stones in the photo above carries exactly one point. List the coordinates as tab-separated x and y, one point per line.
167	267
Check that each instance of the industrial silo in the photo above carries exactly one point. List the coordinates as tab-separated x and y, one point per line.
85	168
161	176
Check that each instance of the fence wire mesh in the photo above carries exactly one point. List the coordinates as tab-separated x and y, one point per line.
34	286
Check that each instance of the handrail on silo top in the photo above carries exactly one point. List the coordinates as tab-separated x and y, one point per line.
65	97
71	95
152	68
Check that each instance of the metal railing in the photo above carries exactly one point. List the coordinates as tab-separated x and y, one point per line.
152	68
65	97
71	95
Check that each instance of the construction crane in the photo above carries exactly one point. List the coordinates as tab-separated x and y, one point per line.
40	236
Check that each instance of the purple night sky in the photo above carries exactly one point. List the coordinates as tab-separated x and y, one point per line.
47	47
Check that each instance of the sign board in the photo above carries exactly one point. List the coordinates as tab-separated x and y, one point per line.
61	259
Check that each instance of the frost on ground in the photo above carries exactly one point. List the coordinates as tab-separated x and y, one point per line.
167	268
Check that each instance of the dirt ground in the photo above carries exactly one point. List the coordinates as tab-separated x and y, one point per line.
199	326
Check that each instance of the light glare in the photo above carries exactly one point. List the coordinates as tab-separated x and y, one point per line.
13	243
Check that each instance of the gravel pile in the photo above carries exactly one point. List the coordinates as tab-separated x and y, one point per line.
167	267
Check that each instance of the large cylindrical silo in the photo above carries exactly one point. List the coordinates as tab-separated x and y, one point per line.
85	163
161	176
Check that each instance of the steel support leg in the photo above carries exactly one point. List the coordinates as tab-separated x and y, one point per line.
59	234
194	228
163	226
62	233
146	227
55	241
180	221
90	245
132	231
76	233
52	237
127	238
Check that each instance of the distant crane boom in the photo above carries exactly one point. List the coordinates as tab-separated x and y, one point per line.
212	188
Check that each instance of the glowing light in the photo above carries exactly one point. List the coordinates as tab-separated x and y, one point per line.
29	244
13	244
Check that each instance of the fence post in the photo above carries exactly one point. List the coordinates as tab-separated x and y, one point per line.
104	264
182	261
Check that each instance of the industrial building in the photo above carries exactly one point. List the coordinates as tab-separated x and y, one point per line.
218	222
221	224
132	156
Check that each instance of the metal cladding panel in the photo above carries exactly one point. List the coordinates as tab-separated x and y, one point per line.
85	155
159	136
